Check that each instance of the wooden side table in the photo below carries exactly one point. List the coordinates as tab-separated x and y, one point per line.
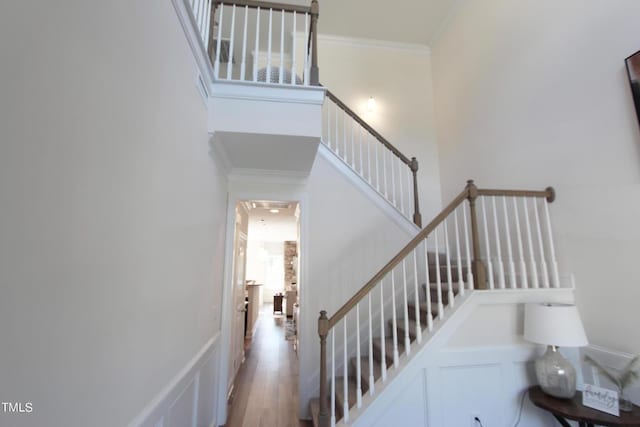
573	409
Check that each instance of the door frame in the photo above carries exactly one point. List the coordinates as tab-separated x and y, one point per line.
256	190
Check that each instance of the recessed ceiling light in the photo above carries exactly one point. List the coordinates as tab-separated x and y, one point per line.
274	210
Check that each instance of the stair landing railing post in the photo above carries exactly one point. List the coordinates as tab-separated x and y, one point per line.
315	71
477	267
417	217
323	331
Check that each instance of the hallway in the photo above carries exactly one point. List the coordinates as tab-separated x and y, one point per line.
266	388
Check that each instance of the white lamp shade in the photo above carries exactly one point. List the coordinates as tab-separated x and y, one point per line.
554	324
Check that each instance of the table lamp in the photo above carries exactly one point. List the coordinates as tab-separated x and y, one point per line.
554	325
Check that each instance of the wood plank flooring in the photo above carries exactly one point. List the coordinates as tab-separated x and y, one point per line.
266	388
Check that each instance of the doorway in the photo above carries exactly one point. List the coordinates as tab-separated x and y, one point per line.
267	254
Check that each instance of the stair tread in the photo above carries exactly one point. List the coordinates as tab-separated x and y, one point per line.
352	398
366	372
377	346
413	327
423	310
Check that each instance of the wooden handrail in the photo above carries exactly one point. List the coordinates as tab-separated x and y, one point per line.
368	128
549	193
471	192
253	4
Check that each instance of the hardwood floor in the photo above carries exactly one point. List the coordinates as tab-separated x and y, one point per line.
266	388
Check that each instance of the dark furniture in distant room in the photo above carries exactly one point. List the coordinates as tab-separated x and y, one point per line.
277	303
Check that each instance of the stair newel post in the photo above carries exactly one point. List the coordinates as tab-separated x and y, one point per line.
477	267
417	217
315	71
323	331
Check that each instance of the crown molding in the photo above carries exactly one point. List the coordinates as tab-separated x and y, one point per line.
374	44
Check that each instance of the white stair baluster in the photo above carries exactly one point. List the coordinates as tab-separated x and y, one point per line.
360	129
523	265
207	27
393	179
487	246
358	359
243	65
512	265
256	49
428	287
344	136
197	14
353	146
281	71
417	296
394	326
467	246
231	42
375	147
552	250
450	294
543	262
368	142
201	17
333	377
458	257
400	184
371	377
307	62
270	35
407	338
216	63
294	64
383	342
496	230
409	193
532	260
438	278
345	380
337	149
384	172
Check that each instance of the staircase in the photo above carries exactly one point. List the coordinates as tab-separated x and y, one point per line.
371	368
483	240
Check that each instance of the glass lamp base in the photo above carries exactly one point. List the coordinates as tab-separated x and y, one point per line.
556	375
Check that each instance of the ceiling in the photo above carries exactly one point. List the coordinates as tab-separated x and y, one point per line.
268	226
402	21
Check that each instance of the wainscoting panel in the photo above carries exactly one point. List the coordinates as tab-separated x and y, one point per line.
189	399
207	395
181	411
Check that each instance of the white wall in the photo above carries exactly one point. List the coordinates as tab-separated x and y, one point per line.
113	211
399	78
531	94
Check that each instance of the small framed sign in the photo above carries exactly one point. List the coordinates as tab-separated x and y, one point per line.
602	399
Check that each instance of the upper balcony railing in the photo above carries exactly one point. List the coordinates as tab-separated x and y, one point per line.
260	42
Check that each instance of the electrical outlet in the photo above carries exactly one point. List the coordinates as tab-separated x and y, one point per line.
474	419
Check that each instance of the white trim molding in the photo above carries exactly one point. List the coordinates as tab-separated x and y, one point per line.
374	44
185	390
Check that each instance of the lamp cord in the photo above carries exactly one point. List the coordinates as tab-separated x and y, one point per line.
524	394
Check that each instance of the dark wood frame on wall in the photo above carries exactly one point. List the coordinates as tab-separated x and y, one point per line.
633	71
